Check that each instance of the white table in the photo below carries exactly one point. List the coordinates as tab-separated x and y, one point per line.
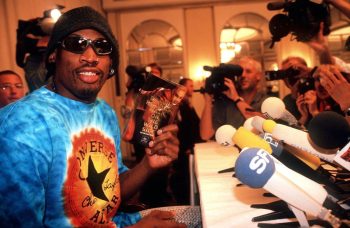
222	203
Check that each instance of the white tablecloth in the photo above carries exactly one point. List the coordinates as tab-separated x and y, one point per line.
222	203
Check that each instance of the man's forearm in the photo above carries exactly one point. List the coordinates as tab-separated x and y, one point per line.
342	5
206	125
132	180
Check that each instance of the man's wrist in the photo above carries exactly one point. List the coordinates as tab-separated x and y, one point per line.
238	99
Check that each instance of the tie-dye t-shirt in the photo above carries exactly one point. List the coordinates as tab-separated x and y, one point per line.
60	163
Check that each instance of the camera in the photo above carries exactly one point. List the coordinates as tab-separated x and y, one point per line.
302	19
29	32
291	72
214	84
306	84
138	76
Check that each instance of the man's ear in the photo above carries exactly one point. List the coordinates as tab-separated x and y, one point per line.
52	57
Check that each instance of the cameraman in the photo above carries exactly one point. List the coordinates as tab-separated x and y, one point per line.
32	40
237	104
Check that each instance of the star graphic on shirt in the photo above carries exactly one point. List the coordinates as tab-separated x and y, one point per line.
95	181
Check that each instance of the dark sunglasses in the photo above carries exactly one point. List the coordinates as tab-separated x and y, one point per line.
78	44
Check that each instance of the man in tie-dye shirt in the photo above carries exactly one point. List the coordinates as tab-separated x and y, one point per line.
61	164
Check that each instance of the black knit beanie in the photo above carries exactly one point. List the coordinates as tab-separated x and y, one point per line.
78	19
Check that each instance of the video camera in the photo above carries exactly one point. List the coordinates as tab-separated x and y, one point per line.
29	32
214	84
302	19
138	76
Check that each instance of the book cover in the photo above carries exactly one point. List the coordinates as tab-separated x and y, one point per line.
156	106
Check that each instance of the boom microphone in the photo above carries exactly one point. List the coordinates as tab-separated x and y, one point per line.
257	169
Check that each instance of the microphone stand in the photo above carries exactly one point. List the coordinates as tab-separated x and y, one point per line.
280	210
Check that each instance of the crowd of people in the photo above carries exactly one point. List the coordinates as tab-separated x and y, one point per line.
61	159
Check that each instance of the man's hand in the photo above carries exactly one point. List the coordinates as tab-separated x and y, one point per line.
158	218
302	107
231	92
310	99
208	98
320	46
164	149
334	82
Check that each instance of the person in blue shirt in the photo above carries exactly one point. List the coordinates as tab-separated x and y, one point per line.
61	164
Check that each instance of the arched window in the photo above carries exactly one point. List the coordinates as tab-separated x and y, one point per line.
247	34
156	41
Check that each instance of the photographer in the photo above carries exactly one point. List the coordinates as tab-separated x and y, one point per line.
336	84
292	82
315	101
237	104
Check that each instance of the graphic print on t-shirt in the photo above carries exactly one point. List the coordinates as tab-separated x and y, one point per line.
92	190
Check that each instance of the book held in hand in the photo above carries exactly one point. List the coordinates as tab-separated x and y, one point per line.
156	106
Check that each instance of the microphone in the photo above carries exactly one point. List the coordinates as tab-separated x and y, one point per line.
227	135
274	108
329	130
276	5
311	160
249	126
244	138
257	169
223	135
294	137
